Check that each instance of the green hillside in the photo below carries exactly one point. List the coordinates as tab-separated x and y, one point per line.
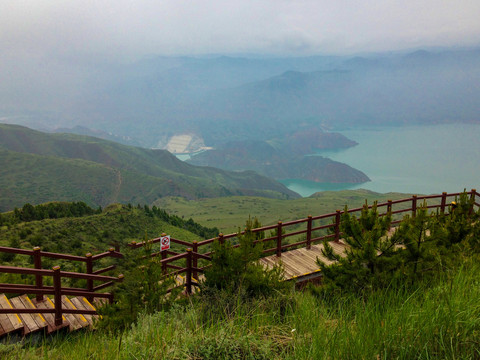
41	167
229	213
115	225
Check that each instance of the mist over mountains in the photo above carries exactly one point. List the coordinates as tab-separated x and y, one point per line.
223	98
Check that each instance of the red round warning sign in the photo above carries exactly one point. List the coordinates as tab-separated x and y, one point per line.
165	243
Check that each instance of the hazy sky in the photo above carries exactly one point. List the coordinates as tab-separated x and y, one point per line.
129	29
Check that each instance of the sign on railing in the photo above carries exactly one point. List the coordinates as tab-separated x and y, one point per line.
165	243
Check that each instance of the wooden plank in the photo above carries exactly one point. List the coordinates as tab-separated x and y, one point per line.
273	260
75	321
7	326
9	322
289	270
49	317
301	262
28	321
38	318
99	302
82	303
297	260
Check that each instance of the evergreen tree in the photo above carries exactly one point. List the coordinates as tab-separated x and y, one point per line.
416	236
237	268
369	255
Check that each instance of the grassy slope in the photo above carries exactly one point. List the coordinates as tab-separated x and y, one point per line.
229	213
94	233
38	179
123	173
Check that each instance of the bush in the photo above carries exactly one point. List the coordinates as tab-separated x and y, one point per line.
235	269
144	290
421	247
369	260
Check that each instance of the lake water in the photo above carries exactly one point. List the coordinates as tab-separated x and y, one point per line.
413	159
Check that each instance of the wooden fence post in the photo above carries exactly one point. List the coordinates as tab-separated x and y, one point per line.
163	255
389	212
279	239
37	260
309	232
89	264
57	286
188	283
414	206
337	226
195	259
472	200
221	240
444	202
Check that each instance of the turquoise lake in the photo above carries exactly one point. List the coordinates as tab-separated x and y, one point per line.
413	159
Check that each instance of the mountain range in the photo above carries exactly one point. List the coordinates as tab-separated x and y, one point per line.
37	167
221	98
286	158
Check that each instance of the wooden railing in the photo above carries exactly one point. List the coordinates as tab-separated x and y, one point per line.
187	255
39	289
312	225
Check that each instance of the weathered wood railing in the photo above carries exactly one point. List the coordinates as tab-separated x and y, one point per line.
39	289
313	224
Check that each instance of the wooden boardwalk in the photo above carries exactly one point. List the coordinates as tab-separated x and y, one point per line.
23	324
301	264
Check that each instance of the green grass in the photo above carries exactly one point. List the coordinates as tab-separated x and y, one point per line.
438	320
229	213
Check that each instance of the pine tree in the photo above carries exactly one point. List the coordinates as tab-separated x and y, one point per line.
369	256
236	268
416	236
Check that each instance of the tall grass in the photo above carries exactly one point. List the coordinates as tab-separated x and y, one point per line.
439	322
435	320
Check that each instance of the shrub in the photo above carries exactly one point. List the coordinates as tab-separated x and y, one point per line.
370	256
144	290
236	268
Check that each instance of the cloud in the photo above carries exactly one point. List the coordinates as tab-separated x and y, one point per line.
129	29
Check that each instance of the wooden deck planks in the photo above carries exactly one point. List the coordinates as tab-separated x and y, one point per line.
38	318
82	303
32	322
301	262
9	322
49	317
76	321
26	323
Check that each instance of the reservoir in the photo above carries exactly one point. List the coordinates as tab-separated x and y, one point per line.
413	159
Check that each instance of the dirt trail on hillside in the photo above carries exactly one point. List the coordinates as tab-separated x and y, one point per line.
118	186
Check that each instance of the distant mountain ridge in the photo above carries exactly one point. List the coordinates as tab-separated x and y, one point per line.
38	167
225	98
286	158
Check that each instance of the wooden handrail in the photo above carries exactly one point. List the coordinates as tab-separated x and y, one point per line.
57	290
192	255
46	272
88	259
